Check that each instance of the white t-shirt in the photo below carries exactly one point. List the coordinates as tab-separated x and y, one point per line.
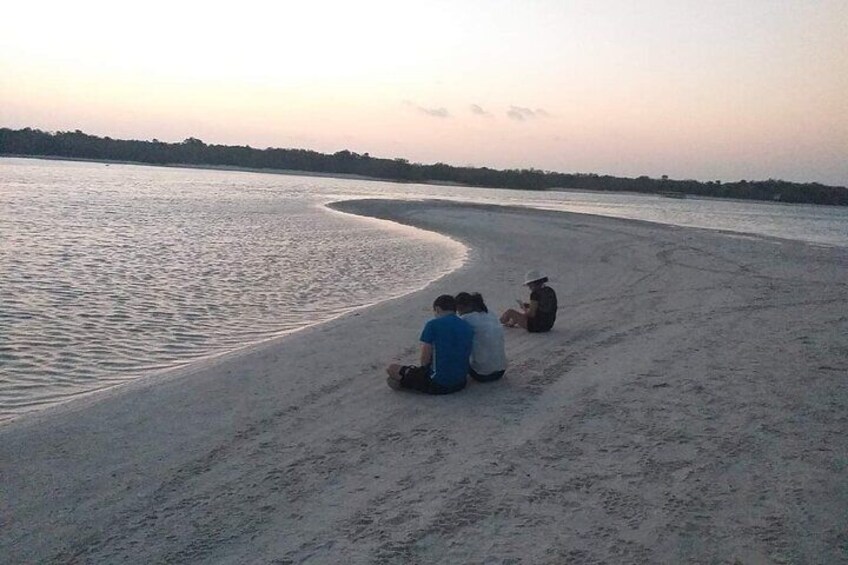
487	350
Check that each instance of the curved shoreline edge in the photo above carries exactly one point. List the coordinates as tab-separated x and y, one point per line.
688	406
201	363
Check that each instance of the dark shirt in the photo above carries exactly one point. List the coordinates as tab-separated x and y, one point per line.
547	309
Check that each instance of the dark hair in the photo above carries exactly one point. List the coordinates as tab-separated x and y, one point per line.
445	302
464	302
479	305
473	302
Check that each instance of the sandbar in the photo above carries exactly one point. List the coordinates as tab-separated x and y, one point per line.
691	405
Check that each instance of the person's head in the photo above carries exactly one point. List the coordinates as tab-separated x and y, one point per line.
444	304
536	285
535	280
477	302
464	304
472	302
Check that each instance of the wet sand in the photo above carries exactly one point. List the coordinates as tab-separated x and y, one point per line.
691	405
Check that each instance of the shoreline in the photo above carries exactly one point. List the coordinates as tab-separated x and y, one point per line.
688	406
180	367
202	362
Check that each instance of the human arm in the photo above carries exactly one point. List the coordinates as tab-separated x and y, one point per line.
532	308
426	354
427	339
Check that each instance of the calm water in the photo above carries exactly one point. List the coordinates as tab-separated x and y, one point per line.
109	272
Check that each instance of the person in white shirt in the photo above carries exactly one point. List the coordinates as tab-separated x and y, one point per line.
488	358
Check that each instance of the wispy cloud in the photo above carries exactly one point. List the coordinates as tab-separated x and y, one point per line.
520	113
435	112
440	112
478	110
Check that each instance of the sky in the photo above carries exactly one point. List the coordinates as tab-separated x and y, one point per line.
717	90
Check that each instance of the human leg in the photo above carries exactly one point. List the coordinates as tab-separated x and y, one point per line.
512	318
393	380
535	326
408	377
485	378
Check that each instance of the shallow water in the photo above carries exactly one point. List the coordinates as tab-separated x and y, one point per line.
108	272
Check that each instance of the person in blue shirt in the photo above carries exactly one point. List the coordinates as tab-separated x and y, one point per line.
445	349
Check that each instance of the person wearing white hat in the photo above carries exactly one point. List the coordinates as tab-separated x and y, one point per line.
539	314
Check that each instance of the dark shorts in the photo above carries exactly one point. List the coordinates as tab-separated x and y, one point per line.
485	378
539	325
418	378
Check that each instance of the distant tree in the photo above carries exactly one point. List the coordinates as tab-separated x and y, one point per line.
79	145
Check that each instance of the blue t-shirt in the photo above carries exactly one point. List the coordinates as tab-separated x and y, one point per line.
451	338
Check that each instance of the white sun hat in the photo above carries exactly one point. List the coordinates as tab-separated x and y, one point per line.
533	276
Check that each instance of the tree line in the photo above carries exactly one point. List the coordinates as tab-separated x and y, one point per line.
79	145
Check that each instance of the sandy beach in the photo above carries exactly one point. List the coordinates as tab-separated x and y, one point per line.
690	406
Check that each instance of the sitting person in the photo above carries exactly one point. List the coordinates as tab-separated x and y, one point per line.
539	314
488	358
445	349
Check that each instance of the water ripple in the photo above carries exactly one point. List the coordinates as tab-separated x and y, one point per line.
110	273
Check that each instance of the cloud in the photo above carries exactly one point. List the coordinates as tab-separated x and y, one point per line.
477	110
435	112
520	113
440	112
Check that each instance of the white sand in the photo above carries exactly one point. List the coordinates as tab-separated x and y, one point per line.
690	406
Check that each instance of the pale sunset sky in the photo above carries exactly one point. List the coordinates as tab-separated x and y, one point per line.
727	90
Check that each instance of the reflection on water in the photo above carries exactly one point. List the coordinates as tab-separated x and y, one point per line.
110	272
